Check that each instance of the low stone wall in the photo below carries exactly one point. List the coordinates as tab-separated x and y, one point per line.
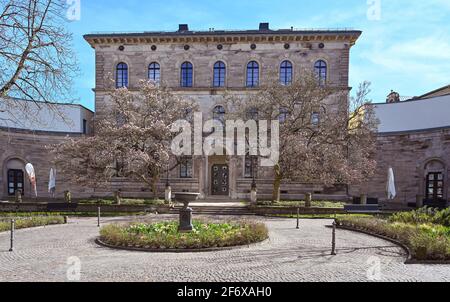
80	208
293	211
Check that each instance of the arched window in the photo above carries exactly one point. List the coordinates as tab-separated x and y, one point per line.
186	74
154	72
220	72
252	74
219	113
320	68
286	73
122	75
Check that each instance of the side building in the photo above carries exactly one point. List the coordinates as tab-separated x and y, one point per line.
203	66
413	140
26	130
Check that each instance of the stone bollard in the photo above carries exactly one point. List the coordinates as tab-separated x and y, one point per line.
98	216
68	196
254	195
18	196
118	197
363	199
308	200
13	226
333	240
168	195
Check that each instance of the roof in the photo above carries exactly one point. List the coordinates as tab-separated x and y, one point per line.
438	92
225	35
414	115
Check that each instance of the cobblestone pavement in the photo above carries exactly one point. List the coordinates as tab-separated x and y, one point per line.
290	255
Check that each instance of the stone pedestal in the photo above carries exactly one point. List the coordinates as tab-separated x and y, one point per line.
186	220
18	197
308	200
419	201
363	199
168	194
186	212
254	196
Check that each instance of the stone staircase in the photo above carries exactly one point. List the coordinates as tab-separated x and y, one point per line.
217	210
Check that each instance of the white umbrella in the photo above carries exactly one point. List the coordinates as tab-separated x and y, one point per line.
32	176
52	182
391	190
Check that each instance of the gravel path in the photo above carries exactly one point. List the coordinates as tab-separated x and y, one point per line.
48	254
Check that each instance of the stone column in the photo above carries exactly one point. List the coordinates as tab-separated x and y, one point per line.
233	178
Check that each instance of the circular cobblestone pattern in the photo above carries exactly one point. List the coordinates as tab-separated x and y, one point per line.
52	254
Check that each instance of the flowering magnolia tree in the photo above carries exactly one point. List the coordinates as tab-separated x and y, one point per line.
132	139
325	136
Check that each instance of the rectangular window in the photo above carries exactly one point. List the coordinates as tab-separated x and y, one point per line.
186	168
84	127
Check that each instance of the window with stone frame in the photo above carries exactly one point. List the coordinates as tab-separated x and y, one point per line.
252	74
186	165
286	72
122	75
187	72
219	74
321	70
154	72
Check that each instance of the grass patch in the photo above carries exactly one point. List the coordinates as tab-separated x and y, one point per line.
30	222
302	204
424	231
165	235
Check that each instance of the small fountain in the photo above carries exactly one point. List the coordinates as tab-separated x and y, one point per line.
186	212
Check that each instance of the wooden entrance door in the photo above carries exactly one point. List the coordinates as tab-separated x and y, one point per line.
220	180
15	182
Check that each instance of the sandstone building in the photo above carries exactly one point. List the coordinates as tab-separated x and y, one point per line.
414	135
202	65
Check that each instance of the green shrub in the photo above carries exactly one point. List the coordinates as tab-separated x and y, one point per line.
24	223
427	241
165	235
424	215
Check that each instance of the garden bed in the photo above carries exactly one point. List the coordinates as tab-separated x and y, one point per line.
302	204
29	222
164	236
425	233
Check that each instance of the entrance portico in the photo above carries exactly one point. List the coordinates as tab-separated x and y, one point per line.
219	177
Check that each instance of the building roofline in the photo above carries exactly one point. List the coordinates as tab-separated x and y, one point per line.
51	103
433	92
303	35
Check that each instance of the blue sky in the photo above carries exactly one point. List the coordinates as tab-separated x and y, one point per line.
407	49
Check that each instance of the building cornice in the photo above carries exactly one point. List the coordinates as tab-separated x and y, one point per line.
255	36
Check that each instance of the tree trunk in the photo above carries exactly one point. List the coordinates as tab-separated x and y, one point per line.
277	184
155	187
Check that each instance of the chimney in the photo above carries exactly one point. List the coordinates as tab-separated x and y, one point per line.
263	26
393	97
183	27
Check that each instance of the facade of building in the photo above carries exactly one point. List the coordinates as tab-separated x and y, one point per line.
204	65
25	137
414	140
